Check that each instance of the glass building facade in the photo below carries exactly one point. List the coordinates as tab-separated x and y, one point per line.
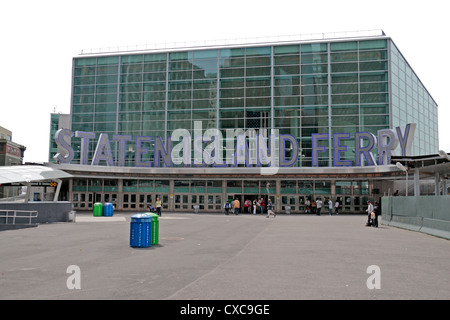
301	89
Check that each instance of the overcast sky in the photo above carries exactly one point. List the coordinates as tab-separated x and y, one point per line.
40	38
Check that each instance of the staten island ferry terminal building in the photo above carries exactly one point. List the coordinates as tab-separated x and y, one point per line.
288	120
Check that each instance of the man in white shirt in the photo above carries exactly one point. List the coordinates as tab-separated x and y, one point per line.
319	206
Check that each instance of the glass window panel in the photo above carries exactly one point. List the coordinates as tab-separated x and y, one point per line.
258	92
232	63
232	83
251	186
344	77
375	120
205	54
374	76
84	71
373	55
181	185
344	109
322	187
131	68
154	67
314	58
107	60
344	56
106	98
256	51
374	65
314	100
375	109
374	87
256	72
231	73
345	88
154	77
286	60
314	68
105	117
343	46
285	70
257	61
84	80
345	121
173	56
314	79
155	57
286	49
374	98
288	90
287	101
85	108
232	103
85	62
344	98
111	88
344	67
314	47
257	82
238	52
131	59
373	44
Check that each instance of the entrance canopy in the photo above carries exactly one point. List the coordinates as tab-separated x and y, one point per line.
426	166
27	174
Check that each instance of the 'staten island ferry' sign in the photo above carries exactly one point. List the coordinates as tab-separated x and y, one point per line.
249	147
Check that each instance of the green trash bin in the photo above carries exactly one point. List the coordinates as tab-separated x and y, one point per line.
98	209
155	228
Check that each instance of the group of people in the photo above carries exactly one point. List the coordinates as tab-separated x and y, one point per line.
250	206
315	206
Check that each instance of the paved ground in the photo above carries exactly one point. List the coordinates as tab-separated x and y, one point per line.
212	256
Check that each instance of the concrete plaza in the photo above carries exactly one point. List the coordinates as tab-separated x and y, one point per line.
219	257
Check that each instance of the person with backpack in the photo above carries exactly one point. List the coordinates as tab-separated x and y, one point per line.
227	207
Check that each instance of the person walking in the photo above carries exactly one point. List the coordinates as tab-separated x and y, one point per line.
336	207
369	211
254	206
237	206
270	209
319	206
330	207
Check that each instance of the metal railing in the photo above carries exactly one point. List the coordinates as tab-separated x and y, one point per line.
235	41
18	217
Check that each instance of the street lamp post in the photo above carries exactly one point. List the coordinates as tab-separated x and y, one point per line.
402	167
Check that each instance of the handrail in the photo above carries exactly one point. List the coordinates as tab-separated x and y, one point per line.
10	217
190	44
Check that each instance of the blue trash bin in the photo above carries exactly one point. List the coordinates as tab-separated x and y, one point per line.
140	230
108	209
